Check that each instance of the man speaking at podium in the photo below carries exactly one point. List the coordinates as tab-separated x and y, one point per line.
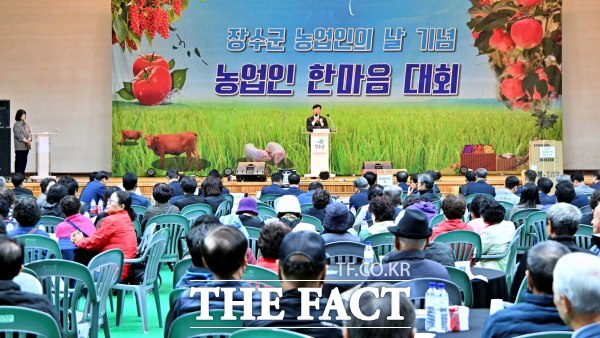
316	121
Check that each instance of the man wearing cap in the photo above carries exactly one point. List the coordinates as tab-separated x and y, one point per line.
361	197
302	264
248	213
408	260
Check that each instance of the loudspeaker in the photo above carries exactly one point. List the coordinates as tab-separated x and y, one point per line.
4	113
251	172
377	165
5	151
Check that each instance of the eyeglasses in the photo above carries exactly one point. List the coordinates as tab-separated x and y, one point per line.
113	201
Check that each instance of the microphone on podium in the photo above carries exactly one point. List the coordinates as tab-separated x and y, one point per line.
332	124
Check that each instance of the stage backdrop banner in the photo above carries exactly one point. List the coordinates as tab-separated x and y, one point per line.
203	84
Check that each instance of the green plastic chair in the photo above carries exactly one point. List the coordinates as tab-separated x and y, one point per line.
382	243
29	272
536	222
511	252
192	215
461	279
438	205
305	207
152	255
138	228
548	334
266	333
197	206
223	209
465	245
522	290
471	197
175	294
38	247
314	221
180	269
436	220
139	211
179	227
50	223
520	217
583	236
19	320
63	283
269	199
253	235
344	252
265	212
508	207
146	237
106	270
209	328
229	197
259	276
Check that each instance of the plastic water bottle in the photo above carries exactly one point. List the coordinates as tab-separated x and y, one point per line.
442	309
430	307
41	226
368	257
100	206
93	207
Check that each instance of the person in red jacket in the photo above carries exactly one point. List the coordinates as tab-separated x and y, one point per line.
114	232
454	207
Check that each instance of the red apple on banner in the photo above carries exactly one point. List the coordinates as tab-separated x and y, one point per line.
515	69
529	3
152	85
512	88
149	60
501	41
526	33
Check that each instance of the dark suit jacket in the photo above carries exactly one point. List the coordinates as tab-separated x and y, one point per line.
185	200
317	125
580	201
273	189
318	213
480	187
177	191
22	191
359	199
294	191
547	199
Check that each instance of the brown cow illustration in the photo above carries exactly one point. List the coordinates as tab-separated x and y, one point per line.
130	135
174	144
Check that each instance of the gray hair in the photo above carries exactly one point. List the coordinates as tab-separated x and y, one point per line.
394	192
562	178
564	218
361	183
577	277
425	179
481	173
541	260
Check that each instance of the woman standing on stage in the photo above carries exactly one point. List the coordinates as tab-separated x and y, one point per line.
22	140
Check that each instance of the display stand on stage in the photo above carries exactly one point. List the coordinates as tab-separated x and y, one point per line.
42	155
319	151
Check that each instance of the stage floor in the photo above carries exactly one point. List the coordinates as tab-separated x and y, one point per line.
340	185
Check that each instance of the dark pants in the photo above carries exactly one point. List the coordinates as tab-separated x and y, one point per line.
21	161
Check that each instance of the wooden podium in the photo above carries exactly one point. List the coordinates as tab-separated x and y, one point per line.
42	155
319	151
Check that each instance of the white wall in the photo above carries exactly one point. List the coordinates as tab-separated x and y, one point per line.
56	63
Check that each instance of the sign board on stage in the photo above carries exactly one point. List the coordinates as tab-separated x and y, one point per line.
385	180
546	157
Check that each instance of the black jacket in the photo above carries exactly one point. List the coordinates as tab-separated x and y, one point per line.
310	127
185	200
22	191
253	222
317	213
290	303
11	295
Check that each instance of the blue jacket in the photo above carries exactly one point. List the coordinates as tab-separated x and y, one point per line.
404	187
92	191
273	189
294	191
176	186
537	313
407	265
547	199
480	187
359	199
306	198
194	277
19	230
139	200
588	331
580	201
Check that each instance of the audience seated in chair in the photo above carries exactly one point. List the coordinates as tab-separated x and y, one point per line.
408	260
161	193
425	187
415	202
507	194
11	260
562	223
7	200
381	327
530	177
45	184
579	183
189	197
302	264
382	211
94	191
223	252
269	242
394	192
114	232
338	220
454	207
72	188
105	200
53	198
74	221
537	312
197	272
275	187
320	200
402	178
545	186
594	201
17	181
360	197
306	198
130	184
288	211
480	186
595	249
577	293
363	214
567	192
496	235
469	178
212	192
476	221
530	199
247	212
173	178
294	189
215	173
27	214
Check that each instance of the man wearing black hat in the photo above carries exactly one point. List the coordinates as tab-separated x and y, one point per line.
302	264
408	261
